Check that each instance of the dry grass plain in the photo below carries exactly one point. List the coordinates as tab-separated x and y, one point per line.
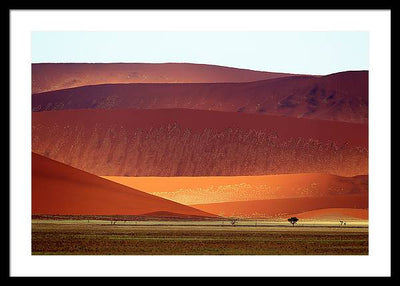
161	237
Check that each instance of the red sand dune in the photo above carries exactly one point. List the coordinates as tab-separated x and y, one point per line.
53	76
204	190
175	142
334	213
341	97
59	189
283	207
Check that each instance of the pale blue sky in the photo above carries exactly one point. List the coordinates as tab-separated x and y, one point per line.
294	52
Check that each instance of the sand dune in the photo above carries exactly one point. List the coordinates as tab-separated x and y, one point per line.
53	76
339	97
279	208
59	189
204	190
175	142
334	213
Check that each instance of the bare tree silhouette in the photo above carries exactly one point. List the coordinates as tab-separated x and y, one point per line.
234	221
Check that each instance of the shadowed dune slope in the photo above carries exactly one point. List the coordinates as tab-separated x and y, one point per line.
340	97
174	142
203	190
53	76
283	207
59	189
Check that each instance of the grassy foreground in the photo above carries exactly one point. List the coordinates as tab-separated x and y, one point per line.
97	237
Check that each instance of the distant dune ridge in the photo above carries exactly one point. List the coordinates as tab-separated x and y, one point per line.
340	97
198	143
59	189
53	76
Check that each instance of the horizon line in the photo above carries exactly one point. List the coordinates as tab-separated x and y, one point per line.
204	64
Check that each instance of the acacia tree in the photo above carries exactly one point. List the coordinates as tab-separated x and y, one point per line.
293	220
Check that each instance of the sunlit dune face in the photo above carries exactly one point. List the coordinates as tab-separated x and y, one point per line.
204	190
338	214
279	208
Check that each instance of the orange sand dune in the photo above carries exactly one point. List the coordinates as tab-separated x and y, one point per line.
204	190
283	207
59	189
340	97
334	213
53	76
179	142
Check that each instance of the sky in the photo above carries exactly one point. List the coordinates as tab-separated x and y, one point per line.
317	53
